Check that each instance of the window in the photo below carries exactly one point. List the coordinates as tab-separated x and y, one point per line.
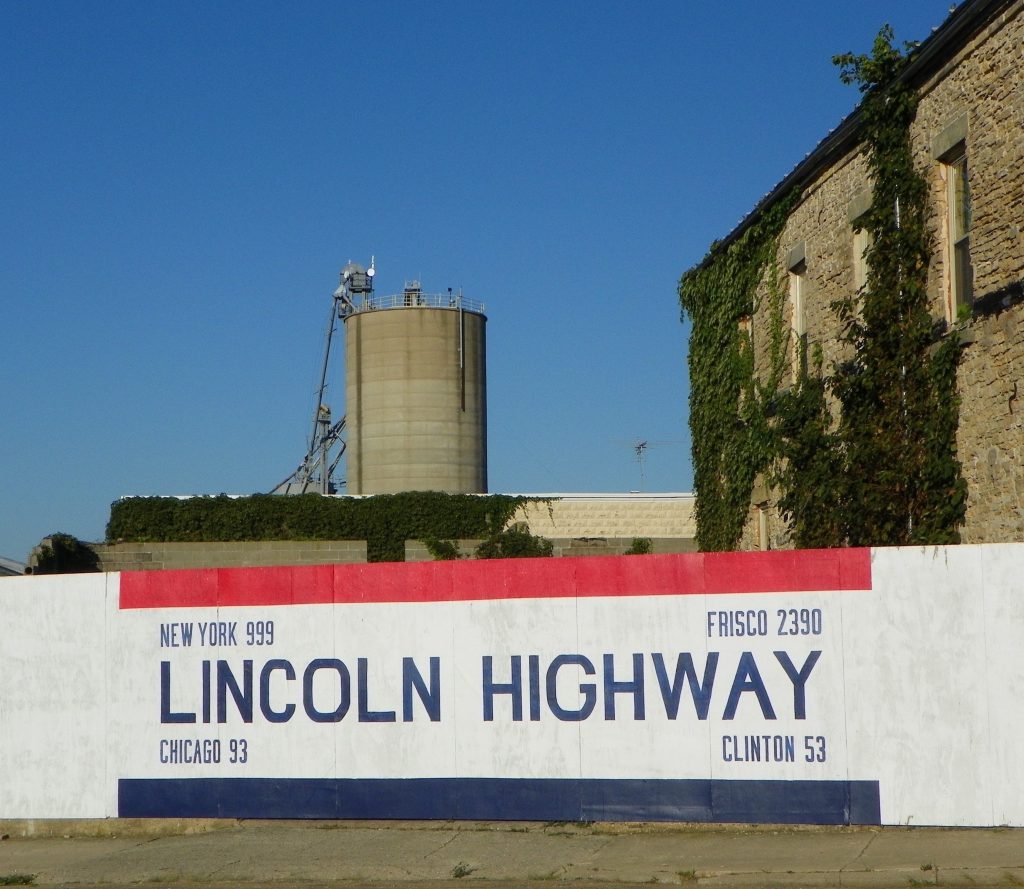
958	200
745	329
797	288
745	326
861	242
763	540
857	216
798	320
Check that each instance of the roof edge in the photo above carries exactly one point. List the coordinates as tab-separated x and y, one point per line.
962	24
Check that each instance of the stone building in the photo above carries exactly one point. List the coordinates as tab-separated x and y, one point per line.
968	140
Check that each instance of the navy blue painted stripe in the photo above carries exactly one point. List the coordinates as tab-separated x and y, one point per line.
509	799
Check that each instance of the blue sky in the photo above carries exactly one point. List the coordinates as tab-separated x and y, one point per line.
182	182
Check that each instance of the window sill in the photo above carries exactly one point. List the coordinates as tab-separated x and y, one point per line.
989	305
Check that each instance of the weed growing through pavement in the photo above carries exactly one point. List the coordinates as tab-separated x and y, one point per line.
462	870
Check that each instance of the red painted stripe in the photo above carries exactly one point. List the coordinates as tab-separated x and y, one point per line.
667	575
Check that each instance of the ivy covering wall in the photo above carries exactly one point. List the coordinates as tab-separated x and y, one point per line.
62	553
732	442
863	452
384	521
901	481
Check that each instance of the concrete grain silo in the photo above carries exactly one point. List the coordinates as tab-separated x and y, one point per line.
415	393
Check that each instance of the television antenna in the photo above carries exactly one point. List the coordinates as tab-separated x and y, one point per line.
640	447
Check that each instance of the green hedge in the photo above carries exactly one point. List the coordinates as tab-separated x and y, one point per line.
384	521
64	554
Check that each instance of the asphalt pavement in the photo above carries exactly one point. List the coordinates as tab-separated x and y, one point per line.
498	855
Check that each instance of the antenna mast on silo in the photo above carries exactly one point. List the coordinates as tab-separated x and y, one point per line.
315	472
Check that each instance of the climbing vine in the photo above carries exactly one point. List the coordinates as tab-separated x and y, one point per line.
865	452
732	441
384	521
64	554
806	467
899	408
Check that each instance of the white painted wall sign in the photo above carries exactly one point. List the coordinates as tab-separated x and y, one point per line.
842	686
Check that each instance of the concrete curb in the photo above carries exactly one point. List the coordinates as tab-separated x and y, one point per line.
410	854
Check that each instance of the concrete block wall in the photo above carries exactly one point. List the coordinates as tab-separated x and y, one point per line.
625	516
577	525
415	551
161	556
617	546
599	524
247	554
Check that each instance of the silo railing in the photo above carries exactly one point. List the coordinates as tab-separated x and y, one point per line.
415	299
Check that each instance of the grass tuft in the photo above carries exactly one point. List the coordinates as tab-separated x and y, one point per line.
462	870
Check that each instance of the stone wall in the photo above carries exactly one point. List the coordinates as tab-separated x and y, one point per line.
983	90
977	96
990	439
